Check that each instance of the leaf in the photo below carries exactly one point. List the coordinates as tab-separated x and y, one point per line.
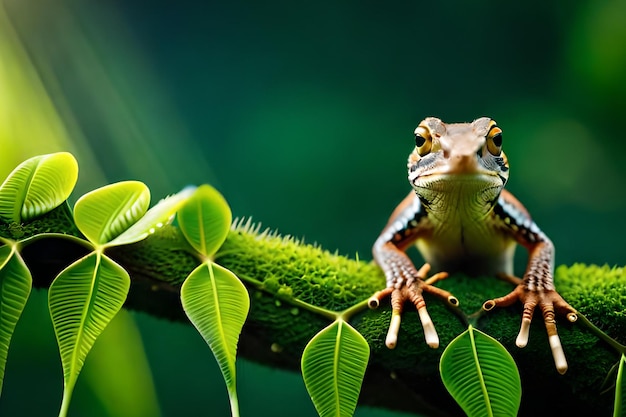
205	220
217	304
481	375
162	213
620	389
83	299
37	186
103	214
333	366
15	285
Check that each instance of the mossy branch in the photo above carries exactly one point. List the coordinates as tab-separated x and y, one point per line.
294	288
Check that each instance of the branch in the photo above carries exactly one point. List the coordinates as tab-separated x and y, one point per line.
281	273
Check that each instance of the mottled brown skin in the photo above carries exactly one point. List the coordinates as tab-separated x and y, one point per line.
461	219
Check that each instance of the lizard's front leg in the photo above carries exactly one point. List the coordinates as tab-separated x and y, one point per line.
404	281
537	286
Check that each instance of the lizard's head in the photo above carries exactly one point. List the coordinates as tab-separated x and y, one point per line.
460	160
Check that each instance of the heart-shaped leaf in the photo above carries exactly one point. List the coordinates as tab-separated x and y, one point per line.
162	213
103	214
620	390
205	220
37	185
217	304
15	285
481	375
333	366
83	299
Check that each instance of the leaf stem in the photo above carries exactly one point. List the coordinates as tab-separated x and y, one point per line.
234	402
621	349
74	239
351	311
67	397
329	314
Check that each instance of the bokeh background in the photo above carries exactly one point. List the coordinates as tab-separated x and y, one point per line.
302	114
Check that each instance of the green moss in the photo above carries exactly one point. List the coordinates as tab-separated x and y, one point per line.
165	257
598	293
289	268
275	326
58	220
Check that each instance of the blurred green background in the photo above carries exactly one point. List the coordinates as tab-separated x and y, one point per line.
302	114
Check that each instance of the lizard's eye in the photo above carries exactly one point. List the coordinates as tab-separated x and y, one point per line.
494	140
423	140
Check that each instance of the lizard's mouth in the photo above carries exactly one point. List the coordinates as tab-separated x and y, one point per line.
474	187
440	179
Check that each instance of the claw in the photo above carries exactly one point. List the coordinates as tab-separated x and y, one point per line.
394	327
374	300
557	353
553	338
522	337
527	316
452	300
430	334
436	278
507	300
489	305
443	294
423	271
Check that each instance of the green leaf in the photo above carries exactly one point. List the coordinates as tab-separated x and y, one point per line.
481	375
37	185
83	299
162	213
333	366
15	285
205	220
217	304
103	214
620	389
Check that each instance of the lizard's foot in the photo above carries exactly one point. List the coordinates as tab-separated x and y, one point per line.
411	289
550	302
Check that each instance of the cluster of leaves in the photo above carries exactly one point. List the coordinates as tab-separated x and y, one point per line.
86	295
